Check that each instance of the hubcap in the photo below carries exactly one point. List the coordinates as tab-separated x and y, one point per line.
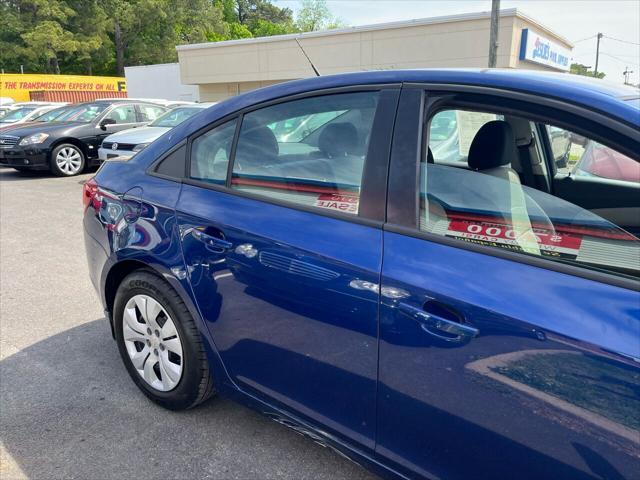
152	342
69	160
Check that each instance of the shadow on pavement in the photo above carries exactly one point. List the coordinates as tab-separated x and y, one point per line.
8	174
69	409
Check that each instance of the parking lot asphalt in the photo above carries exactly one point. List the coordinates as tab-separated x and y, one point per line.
67	406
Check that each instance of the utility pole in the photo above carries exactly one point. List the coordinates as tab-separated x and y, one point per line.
493	36
626	74
595	72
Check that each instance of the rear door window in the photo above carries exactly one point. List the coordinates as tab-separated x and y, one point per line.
310	151
210	153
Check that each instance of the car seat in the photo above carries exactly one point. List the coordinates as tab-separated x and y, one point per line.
491	152
257	149
339	142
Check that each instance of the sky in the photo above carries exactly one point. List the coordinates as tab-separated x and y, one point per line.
576	20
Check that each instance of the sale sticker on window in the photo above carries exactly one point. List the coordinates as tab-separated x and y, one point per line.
550	243
334	201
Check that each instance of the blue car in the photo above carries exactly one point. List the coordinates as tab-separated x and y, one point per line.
393	264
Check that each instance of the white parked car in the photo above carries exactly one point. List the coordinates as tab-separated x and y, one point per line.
26	112
128	142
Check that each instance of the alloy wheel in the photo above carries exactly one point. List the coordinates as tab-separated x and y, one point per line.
69	160
152	342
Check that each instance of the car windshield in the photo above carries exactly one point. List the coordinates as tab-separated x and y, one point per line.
15	115
52	115
175	117
84	113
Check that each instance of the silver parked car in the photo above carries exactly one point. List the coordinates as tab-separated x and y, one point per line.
127	142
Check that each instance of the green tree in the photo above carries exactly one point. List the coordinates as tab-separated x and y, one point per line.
315	15
580	69
49	41
264	28
102	36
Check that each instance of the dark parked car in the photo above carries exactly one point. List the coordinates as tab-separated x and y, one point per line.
70	143
437	314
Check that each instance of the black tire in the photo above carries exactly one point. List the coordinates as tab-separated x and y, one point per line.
55	168
196	383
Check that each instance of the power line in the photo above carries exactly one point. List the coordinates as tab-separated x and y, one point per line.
623	41
619	59
582	40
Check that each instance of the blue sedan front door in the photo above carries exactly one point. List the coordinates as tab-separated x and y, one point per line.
496	360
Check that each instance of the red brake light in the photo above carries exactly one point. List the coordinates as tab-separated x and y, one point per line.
88	192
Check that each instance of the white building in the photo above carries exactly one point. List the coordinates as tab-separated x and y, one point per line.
219	70
159	81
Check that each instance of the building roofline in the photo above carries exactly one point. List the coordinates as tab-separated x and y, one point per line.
153	64
509	12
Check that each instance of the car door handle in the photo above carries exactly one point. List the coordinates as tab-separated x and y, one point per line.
437	326
215	244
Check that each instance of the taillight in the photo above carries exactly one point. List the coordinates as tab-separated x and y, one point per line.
89	192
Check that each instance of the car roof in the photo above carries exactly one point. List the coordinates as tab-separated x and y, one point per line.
113	101
589	92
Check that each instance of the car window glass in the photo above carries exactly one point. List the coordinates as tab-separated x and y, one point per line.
174	117
487	203
310	151
577	155
173	164
51	115
451	133
210	154
150	112
123	114
83	113
18	114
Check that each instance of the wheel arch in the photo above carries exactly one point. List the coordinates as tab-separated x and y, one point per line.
117	273
114	278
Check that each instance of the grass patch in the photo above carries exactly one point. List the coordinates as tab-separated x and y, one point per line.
599	385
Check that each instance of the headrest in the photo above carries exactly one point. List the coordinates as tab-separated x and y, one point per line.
493	146
338	139
256	144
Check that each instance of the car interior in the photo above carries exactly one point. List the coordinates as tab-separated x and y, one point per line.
523	200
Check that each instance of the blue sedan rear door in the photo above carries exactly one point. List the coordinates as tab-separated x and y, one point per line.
281	225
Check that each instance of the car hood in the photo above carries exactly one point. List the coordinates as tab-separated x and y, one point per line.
137	135
31	128
5	127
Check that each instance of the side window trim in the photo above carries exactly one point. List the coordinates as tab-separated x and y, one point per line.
403	202
232	154
548	153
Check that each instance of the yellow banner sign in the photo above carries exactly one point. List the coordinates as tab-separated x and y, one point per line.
18	86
